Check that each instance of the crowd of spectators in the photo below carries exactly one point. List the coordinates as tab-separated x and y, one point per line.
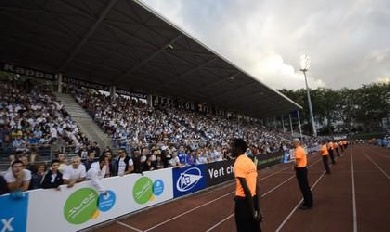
32	121
33	126
135	125
145	138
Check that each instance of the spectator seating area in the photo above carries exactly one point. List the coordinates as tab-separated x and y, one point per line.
34	125
136	125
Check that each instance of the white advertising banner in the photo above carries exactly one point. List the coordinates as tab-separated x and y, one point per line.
72	209
162	187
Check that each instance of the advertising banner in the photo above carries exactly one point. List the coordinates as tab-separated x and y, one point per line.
27	72
13	212
72	209
154	187
269	159
84	83
219	172
188	180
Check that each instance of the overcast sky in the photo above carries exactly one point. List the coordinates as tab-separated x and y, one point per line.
348	40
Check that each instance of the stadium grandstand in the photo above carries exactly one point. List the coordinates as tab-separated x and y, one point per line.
90	78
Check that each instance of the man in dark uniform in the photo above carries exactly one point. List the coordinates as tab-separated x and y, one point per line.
247	209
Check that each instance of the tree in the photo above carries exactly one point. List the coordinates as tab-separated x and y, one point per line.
368	106
373	105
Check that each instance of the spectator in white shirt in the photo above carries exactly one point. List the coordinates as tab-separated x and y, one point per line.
175	161
97	172
75	172
124	163
18	178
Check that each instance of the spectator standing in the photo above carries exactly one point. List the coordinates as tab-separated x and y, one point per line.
175	161
159	163
37	176
63	162
74	173
18	178
97	172
124	164
149	164
90	159
53	178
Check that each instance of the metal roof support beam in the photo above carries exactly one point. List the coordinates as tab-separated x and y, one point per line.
128	72
234	89
215	83
36	25
113	27
110	5
188	72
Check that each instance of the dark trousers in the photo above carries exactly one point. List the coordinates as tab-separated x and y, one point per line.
342	148
243	216
336	151
326	164
304	186
330	151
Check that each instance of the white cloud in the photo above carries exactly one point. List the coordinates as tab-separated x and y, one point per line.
347	40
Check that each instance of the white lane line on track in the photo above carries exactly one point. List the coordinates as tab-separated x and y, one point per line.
220	222
263	195
296	207
207	203
266	177
186	212
128	226
380	169
354	217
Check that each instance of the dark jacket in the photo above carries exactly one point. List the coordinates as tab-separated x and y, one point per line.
48	183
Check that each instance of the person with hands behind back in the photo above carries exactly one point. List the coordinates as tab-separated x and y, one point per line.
247	213
301	174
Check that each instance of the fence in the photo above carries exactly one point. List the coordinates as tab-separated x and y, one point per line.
80	207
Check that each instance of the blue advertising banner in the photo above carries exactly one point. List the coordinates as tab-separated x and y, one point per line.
188	180
13	213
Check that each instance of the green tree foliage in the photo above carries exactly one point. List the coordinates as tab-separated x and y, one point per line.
366	106
373	105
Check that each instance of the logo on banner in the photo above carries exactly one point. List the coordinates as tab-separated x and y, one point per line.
7	224
86	204
158	187
15	217
28	72
188	179
106	201
145	190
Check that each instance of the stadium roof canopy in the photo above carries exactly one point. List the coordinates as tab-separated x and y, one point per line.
125	44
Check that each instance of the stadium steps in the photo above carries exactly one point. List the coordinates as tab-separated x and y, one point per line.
84	121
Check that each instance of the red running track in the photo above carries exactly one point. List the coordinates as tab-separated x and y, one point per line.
355	197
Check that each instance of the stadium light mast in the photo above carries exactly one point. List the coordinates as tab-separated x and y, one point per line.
305	64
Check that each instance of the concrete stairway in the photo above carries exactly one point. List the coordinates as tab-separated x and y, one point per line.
84	121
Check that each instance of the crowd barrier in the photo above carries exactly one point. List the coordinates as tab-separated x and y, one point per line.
269	159
72	209
80	207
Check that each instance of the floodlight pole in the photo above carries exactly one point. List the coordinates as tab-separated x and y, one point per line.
304	70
